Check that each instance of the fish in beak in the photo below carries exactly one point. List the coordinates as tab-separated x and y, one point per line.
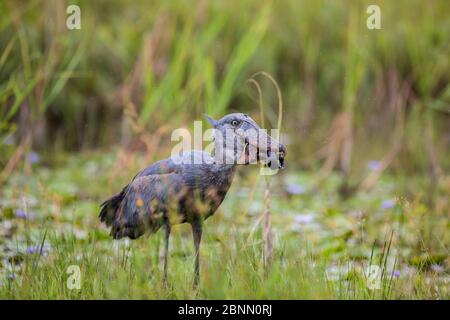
275	158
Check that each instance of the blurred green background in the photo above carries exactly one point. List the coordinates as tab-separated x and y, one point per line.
366	117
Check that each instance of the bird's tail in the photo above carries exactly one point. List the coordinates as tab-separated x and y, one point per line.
117	214
110	208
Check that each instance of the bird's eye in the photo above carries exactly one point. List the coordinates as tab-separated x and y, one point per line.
234	123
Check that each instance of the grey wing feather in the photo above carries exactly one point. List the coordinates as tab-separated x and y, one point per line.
142	207
177	163
161	167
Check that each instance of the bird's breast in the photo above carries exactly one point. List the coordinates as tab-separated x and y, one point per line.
204	191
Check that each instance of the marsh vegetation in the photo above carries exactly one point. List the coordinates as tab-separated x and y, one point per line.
365	120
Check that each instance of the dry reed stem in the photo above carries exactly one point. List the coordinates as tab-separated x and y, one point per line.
268	242
267	231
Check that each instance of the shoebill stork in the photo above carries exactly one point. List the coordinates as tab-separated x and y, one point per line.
190	186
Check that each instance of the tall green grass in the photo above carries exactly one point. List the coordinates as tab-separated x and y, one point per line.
325	256
125	270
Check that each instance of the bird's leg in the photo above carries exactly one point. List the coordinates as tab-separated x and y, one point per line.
166	249
197	232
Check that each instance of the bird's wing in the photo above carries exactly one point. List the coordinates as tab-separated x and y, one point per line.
143	202
143	205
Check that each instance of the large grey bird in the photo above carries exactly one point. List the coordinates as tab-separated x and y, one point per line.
190	186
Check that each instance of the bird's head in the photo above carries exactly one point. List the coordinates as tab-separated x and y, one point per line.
239	140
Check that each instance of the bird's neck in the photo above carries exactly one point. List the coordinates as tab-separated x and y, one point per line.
222	162
221	165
